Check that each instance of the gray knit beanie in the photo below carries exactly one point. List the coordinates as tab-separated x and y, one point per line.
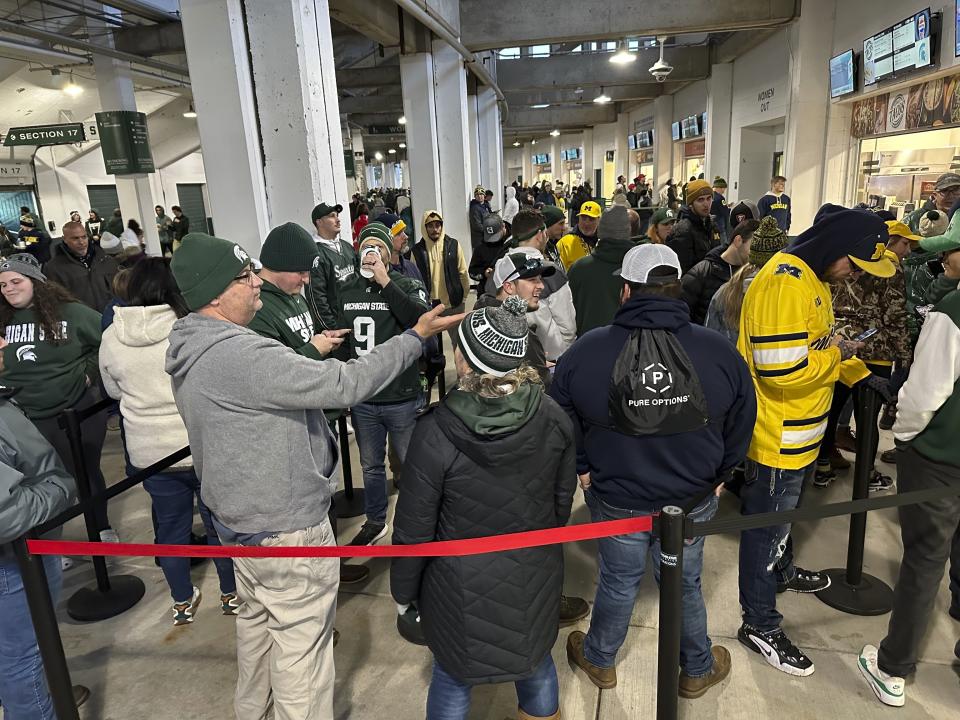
494	340
614	224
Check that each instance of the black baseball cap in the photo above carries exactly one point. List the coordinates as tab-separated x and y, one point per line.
520	266
322	210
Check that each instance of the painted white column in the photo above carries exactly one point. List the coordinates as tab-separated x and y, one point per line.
473	142
134	192
490	144
359	168
662	140
451	104
405	165
527	160
556	164
268	158
807	111
719	114
623	161
419	106
587	162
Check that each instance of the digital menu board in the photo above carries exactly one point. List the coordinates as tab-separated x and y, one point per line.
899	50
691	126
632	142
645	139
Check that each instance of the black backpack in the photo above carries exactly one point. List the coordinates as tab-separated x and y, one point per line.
654	389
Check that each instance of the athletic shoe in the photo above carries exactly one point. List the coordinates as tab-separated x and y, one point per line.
572	609
694	687
845	440
805	581
889	456
230	603
81	694
880	482
887	688
888	417
370	533
350	573
838	461
825	475
113	423
109	536
777	650
183	612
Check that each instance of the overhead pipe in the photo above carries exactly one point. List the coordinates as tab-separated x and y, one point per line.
93	49
429	18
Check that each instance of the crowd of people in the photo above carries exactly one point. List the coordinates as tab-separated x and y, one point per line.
653	354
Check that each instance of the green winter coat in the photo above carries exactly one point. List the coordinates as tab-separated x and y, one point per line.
286	319
329	275
596	292
374	315
51	377
918	277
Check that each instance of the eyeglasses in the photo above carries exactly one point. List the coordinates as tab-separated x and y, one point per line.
246	277
530	265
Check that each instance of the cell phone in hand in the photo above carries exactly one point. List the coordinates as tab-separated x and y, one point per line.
866	334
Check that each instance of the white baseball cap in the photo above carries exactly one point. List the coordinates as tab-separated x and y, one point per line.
642	259
520	265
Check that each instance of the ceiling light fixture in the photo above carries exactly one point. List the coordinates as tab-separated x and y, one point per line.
403	146
554	133
378	155
71	88
392	151
533	142
402	119
602	98
623	56
541	106
516	143
190	113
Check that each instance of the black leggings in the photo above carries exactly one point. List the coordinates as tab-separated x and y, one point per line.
94	430
841	394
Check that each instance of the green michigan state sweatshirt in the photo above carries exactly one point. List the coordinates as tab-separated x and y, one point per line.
285	318
52	374
374	315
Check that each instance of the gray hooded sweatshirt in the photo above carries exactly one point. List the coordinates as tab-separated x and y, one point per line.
254	415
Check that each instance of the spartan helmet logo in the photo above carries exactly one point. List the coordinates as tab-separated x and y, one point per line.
316	262
25	353
241	255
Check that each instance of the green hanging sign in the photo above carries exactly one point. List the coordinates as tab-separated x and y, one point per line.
348	162
125	142
64	134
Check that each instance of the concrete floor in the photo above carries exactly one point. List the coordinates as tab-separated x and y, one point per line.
139	666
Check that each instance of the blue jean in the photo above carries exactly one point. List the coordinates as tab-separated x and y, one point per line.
23	685
373	423
766	554
173	495
623	562
537	695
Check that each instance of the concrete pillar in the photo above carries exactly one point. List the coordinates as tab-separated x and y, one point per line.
268	159
662	140
587	162
556	164
528	163
623	160
115	88
434	86
490	144
719	113
808	109
405	167
359	169
473	137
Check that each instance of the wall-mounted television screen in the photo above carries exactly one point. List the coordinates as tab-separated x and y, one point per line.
842	74
899	50
632	142
675	131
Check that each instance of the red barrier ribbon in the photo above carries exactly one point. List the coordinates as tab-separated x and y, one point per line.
443	548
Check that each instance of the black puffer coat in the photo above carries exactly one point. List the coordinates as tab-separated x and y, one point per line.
494	617
692	238
702	281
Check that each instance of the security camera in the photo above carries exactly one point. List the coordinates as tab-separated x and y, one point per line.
661	69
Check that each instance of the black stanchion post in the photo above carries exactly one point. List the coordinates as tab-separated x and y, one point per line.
44	619
671	599
442	377
111	596
851	590
349	501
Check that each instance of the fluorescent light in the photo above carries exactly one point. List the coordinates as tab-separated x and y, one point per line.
403	146
190	113
541	106
554	133
516	143
402	119
623	56
71	88
378	155
392	151
602	99
533	142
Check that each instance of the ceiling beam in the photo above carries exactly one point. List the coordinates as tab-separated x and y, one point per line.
381	103
550	118
378	20
483	28
570	96
595	69
373	77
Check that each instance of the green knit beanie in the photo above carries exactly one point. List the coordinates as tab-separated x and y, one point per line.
289	248
204	266
767	241
378	232
552	215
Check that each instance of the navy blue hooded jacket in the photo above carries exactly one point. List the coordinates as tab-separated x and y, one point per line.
646	473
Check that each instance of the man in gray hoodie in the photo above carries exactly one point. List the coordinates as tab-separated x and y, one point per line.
265	455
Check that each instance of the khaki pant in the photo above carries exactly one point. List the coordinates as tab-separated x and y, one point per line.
285	631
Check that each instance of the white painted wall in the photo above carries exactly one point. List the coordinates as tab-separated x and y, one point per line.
691	100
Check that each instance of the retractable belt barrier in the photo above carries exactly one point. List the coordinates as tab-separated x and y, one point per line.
671	526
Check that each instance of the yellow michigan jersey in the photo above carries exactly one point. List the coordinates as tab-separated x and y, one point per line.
786	327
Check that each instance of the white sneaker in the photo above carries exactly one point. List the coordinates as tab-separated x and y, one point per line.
183	612
887	688
109	536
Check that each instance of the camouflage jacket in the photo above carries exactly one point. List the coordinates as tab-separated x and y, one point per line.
872	302
918	277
